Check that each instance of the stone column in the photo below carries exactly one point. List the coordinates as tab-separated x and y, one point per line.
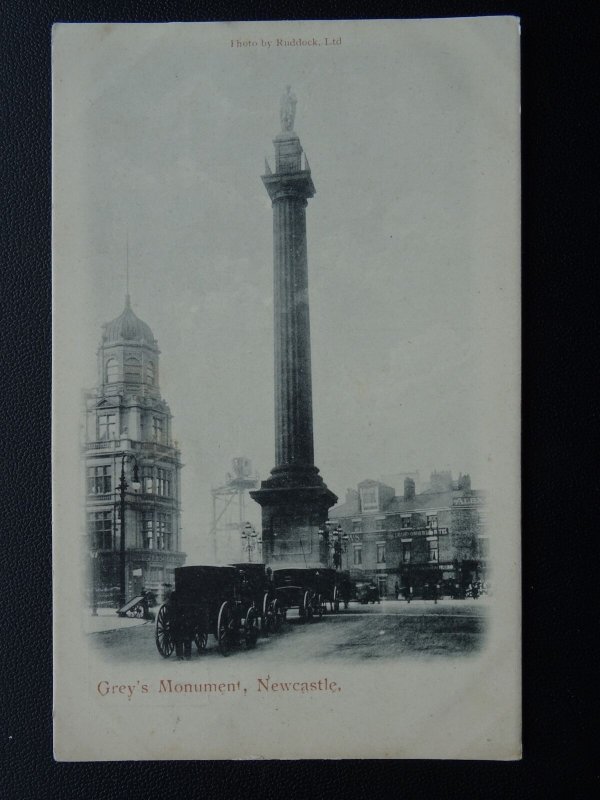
294	500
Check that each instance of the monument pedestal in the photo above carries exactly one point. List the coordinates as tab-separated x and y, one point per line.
295	506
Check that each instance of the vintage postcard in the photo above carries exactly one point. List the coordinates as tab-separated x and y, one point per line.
286	392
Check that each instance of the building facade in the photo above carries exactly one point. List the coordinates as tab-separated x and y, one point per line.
414	541
128	432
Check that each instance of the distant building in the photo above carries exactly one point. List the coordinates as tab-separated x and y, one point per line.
415	540
128	422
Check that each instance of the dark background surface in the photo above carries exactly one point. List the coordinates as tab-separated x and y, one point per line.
559	93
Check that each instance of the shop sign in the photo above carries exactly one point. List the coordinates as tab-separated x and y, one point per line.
418	532
468	501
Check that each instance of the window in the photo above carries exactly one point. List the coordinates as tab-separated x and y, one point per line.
356	525
148	529
163	482
433	549
380	553
133	370
99	480
163	532
357	553
406	551
150	374
379	524
112	370
432	521
368	499
107	426
147	480
100	530
483	544
157	429
405	523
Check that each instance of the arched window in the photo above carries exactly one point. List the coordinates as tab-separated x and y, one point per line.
112	370
133	370
150	373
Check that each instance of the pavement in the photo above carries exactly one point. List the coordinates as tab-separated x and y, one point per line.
107	620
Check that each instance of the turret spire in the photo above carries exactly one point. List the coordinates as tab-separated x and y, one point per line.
127	297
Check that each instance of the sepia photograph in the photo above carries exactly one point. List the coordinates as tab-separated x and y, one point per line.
286	376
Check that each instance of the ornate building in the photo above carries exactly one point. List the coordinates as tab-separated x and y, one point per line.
128	434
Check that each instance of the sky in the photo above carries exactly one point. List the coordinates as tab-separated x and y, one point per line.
160	136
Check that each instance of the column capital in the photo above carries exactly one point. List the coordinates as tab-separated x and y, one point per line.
295	185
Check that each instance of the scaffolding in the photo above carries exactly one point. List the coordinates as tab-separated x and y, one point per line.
228	510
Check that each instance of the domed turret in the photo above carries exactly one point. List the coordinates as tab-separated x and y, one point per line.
128	356
127	327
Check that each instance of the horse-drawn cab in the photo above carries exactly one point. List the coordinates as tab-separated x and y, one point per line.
207	599
257	587
304	588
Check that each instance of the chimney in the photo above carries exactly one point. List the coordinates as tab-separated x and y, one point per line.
441	481
464	483
409	489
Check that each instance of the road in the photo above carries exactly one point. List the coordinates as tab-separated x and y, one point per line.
392	629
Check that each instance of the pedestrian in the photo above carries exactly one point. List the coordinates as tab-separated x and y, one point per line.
397	590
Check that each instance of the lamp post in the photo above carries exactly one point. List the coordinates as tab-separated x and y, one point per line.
250	540
345	538
335	541
123	486
94	557
325	537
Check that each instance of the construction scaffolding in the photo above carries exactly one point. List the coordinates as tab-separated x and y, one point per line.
228	507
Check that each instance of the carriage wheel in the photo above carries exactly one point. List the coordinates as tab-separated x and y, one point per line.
251	628
307	609
265	620
336	599
225	629
164	641
201	640
319	607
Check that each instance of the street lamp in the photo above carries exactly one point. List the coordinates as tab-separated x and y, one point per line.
325	539
340	546
345	539
250	540
335	541
123	486
94	557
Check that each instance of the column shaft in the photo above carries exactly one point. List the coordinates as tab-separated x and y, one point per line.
293	387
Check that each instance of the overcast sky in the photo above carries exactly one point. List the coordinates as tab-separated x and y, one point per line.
160	136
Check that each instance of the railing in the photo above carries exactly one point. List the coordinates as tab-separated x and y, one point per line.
100	445
130	444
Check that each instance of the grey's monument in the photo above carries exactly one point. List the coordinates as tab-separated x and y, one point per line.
294	500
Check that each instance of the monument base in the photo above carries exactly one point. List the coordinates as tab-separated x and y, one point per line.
295	504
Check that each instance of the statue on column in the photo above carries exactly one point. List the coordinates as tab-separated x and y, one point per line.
287	110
